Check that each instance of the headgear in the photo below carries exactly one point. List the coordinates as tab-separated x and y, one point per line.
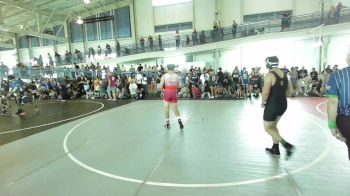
171	67
271	62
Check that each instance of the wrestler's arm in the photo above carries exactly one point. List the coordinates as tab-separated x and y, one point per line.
267	87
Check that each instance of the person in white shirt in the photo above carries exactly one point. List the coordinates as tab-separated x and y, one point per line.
133	88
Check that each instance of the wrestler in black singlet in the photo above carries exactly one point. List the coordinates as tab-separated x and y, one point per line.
276	103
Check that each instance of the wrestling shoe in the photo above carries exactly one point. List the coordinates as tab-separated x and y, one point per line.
289	151
167	125
273	151
180	123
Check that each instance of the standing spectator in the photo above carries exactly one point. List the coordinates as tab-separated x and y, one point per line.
194	37
284	22
126	51
160	43
142	44
234	29
118	48
150	40
337	12
220	76
177	38
338	107
50	59
335	68
58	59
93	52
202	38
99	50
112	86
187	40
40	61
330	15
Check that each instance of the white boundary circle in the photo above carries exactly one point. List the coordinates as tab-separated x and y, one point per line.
189	185
64	120
319	110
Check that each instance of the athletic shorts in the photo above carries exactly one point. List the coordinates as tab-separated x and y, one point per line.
343	124
272	111
170	96
112	88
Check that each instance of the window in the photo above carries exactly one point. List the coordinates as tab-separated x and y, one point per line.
173	27
265	16
106	27
167	2
47	42
23	42
76	32
58	31
91	30
34	42
122	22
5	49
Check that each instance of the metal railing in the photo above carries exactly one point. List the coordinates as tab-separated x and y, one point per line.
209	36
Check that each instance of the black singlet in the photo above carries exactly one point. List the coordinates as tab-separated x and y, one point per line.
276	103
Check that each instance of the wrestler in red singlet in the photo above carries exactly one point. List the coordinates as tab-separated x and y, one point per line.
170	82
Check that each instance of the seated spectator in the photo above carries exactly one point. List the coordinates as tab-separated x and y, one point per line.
184	92
140	93
195	91
313	92
133	88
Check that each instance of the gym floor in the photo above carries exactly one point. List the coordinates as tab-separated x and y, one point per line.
97	147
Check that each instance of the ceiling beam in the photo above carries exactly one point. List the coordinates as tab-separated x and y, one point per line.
32	33
30	8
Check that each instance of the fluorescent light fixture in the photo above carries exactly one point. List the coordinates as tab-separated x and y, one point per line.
87	1
3	29
80	21
167	2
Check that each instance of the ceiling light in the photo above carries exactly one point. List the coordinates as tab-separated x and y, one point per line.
21	26
80	21
86	1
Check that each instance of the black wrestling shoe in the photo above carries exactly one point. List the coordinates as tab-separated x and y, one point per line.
167	125
289	151
273	151
180	123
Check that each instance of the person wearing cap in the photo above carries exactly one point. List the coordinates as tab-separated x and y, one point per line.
170	83
274	101
338	105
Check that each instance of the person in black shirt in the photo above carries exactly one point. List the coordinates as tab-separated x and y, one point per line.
274	100
302	73
314	75
220	75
